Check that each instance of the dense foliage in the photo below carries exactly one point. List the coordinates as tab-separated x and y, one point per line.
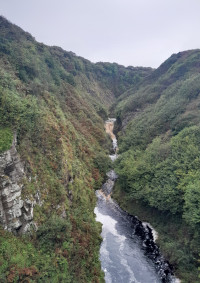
6	138
159	164
56	103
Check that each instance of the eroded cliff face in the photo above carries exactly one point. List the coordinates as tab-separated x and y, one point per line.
16	215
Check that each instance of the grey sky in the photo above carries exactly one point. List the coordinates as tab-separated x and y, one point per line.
129	32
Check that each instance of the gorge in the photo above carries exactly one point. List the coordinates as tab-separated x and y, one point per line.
54	156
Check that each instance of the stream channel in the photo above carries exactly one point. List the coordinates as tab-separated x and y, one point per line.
128	252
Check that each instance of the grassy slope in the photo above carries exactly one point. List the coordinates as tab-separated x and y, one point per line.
56	102
160	154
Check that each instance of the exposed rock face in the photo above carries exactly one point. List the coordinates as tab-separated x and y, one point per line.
15	214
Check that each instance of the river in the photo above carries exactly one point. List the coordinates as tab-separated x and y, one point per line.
128	253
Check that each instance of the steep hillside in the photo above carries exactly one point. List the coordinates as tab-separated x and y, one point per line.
52	144
159	164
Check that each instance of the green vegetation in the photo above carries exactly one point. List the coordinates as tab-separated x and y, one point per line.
56	103
160	155
50	256
165	176
164	172
6	138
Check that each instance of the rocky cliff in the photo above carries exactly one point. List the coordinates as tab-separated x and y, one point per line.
16	214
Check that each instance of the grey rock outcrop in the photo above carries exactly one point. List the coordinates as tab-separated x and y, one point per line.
16	214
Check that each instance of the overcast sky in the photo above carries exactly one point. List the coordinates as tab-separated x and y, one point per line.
129	32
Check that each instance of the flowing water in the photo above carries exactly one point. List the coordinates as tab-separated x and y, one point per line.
128	252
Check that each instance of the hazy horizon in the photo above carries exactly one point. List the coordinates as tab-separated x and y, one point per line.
129	32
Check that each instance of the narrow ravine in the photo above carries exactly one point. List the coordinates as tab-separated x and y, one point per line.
128	252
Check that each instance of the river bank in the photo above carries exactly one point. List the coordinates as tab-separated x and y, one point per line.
173	235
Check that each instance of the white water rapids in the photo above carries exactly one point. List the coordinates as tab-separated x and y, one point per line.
122	255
